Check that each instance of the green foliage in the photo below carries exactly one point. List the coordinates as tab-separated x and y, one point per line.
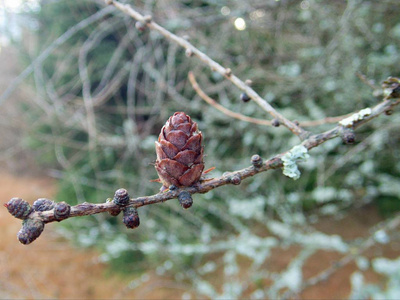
388	205
136	263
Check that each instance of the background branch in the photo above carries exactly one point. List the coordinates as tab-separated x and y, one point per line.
227	73
58	42
242	117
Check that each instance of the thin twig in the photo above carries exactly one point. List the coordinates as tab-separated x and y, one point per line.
213	65
242	117
45	54
221	108
366	81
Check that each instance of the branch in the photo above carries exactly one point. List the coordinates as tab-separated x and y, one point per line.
221	108
58	42
216	67
367	82
242	117
47	211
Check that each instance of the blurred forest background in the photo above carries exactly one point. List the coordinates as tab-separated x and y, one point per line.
100	91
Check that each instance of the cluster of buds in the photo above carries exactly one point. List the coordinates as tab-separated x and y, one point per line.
130	214
32	224
31	227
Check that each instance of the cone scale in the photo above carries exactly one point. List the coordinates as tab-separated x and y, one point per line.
179	152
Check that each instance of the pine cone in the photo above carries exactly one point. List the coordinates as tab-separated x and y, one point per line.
179	152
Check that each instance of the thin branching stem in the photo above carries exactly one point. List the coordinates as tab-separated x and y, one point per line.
242	117
216	67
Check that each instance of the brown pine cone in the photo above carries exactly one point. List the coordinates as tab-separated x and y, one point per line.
179	152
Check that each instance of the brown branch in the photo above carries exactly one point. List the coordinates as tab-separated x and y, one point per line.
242	117
366	81
226	72
203	186
221	108
37	219
327	120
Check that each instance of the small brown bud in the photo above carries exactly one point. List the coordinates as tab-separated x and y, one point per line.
147	19
235	179
121	197
391	87
248	82
188	52
115	212
43	204
225	174
275	123
256	161
185	199
131	217
109	2
140	26
396	92
244	97
19	208
172	187
30	231
228	72
388	112
348	136
61	211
